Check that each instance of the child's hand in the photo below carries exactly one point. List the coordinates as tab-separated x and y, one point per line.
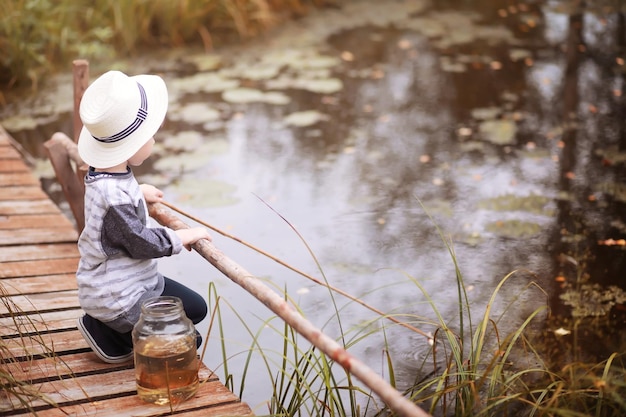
191	236
151	194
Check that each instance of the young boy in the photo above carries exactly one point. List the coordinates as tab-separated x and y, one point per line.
117	269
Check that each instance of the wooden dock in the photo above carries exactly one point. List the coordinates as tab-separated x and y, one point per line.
43	354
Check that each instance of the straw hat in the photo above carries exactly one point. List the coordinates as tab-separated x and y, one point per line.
120	114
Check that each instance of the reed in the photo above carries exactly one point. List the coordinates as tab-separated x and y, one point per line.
14	353
471	369
38	37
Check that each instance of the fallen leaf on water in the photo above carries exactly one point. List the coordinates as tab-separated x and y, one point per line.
612	242
404	44
465	131
561	332
347	56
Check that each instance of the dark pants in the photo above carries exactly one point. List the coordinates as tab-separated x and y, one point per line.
193	303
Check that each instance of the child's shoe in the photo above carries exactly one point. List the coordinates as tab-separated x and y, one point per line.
102	340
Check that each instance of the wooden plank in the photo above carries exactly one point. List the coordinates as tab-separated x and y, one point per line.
57	367
38	284
22	193
42	235
39	303
39	323
212	399
33	221
43	344
59	149
9	152
113	408
28	207
36	252
17	178
40	267
13	165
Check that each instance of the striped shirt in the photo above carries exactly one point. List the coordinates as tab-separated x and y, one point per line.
117	265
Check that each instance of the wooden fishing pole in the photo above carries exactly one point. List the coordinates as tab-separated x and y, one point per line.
394	399
294	269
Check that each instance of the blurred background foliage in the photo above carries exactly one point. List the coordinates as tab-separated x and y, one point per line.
41	36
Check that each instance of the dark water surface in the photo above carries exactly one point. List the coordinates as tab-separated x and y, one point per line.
505	123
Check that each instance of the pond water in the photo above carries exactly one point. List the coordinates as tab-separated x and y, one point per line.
369	128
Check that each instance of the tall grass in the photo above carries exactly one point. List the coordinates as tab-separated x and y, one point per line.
39	36
471	368
15	356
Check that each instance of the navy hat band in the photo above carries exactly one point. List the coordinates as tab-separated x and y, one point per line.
142	113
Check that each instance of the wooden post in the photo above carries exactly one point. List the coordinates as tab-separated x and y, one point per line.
80	72
394	399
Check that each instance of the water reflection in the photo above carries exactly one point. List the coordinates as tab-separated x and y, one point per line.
504	138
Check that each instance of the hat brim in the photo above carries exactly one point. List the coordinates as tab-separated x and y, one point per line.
106	155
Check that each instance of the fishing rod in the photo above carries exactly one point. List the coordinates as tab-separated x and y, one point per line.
294	269
398	403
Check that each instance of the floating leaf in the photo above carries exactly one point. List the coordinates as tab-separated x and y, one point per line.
499	132
194	113
242	95
304	118
205	192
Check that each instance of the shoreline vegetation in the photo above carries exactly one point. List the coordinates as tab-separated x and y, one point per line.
40	37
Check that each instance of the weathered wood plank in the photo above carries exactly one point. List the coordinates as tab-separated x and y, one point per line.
47	235
36	252
33	221
39	303
56	367
38	284
212	399
19	178
40	267
13	165
9	152
39	323
28	207
109	408
62	343
22	193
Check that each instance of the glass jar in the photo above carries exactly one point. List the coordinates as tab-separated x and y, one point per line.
166	362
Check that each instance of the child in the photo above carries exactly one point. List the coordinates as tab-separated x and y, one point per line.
117	269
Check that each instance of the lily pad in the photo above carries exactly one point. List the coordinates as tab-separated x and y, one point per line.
532	203
208	82
304	118
592	300
486	113
499	132
195	113
320	86
187	140
203	192
242	95
205	62
514	228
